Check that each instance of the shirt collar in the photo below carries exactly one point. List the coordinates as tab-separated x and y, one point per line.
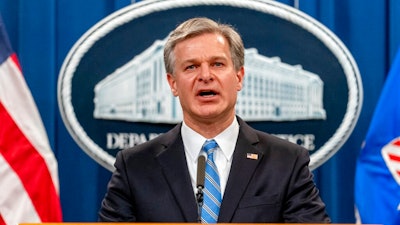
193	141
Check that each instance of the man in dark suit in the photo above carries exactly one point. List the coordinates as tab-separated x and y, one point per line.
258	178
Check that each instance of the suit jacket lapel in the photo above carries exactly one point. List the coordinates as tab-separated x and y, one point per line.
173	163
242	169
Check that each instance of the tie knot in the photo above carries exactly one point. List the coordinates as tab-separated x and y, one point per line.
209	146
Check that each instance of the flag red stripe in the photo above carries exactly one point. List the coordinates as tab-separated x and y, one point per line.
397	142
2	222
30	167
14	59
394	157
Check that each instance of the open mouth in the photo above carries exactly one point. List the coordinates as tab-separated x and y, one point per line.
207	93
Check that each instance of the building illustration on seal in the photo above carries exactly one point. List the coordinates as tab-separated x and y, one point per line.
272	91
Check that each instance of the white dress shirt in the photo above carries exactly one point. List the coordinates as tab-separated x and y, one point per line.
226	141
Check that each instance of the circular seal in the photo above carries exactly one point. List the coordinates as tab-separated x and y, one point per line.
301	82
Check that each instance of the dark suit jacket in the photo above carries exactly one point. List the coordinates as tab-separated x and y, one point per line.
151	183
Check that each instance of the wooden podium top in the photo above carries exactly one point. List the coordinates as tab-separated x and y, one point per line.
134	223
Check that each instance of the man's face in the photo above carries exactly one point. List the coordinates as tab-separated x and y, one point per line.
205	79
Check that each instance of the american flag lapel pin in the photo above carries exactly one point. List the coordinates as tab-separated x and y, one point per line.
253	156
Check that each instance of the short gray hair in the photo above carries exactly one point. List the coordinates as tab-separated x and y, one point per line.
198	26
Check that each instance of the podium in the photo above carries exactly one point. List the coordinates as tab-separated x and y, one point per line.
134	223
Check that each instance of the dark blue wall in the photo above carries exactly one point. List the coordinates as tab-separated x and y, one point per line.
42	32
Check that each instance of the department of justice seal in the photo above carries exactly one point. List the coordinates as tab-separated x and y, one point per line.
301	82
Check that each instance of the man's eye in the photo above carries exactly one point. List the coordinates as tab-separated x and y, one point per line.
191	67
218	64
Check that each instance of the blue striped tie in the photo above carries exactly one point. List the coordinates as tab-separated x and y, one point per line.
212	189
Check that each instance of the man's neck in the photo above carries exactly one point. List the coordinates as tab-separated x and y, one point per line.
209	128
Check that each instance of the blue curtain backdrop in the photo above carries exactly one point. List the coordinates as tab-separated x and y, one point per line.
42	32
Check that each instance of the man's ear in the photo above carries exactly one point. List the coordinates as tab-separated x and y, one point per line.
172	84
240	77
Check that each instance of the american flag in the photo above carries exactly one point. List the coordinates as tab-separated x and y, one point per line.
29	185
252	156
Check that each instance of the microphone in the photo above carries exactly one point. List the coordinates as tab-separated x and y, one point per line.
201	173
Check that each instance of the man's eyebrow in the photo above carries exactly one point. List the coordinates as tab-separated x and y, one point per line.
219	58
186	61
212	58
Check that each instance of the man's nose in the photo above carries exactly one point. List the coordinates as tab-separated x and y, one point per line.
205	73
